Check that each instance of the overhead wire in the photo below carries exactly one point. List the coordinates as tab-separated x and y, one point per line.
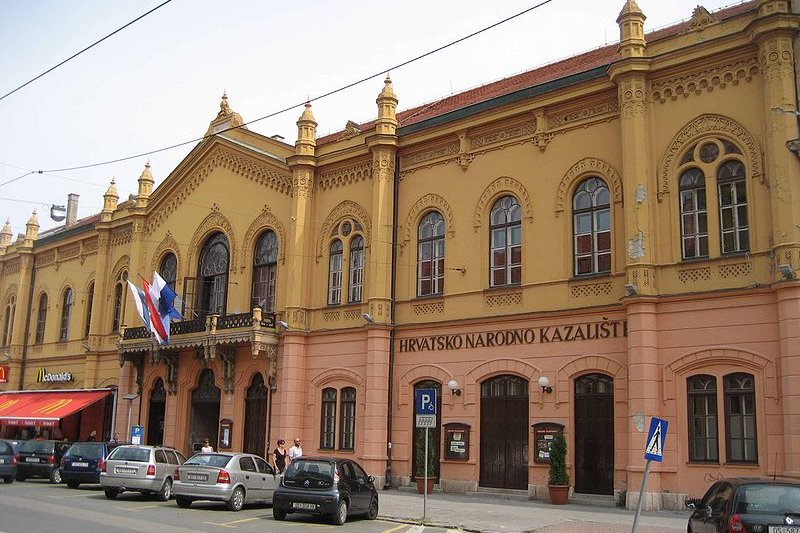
309	99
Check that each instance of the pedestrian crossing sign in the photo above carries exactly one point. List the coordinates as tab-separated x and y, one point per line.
656	437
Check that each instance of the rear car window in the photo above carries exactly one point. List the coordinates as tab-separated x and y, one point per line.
318	473
6	449
161	457
37	446
768	499
88	450
124	453
209	459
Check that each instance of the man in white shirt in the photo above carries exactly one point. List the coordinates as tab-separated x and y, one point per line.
295	451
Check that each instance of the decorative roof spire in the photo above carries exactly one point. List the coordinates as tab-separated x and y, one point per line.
631	31
224	108
5	235
387	109
306	133
32	228
145	186
110	199
226	118
630	7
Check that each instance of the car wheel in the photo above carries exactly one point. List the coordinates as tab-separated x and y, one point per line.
20	477
183	501
111	494
372	513
237	500
278	514
55	476
166	491
73	484
340	517
9	479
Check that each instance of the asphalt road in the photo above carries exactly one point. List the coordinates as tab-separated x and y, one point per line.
35	505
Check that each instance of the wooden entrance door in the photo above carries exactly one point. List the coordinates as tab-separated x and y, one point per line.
205	412
594	434
155	414
255	417
504	433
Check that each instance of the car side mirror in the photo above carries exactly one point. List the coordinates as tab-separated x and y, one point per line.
690	503
709	511
370	479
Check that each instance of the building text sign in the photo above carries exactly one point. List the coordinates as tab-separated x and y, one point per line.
509	337
43	376
4	373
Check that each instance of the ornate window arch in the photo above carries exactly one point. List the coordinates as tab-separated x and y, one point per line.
500	187
212	273
591	227
168	269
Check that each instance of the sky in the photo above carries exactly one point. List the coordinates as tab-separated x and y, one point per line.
158	82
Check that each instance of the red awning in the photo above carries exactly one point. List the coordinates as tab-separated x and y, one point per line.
44	408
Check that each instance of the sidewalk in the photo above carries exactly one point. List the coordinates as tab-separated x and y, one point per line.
483	513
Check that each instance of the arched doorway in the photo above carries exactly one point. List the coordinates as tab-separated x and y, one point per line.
255	416
594	434
504	433
155	413
434	435
205	411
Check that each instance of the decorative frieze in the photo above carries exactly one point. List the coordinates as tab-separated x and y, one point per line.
46	259
735	270
584	167
383	165
345	176
436	153
777	58
632	97
330	317
121	236
352	314
428	308
567	118
507	299
717	77
302	182
501	136
69	252
489	194
592	290
694	275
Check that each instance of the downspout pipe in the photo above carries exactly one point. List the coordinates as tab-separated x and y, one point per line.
27	324
393	296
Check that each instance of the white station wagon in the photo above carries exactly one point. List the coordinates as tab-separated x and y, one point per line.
145	469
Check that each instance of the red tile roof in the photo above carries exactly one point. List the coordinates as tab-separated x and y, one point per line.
560	69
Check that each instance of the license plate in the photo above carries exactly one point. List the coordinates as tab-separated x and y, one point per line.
124	470
31	459
784	529
2	461
80	464
197	477
306	506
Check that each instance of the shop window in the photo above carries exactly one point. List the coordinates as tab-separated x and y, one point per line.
335	273
66	313
430	255
740	418
506	242
41	318
356	269
347	439
591	227
89	304
265	270
328	429
702	400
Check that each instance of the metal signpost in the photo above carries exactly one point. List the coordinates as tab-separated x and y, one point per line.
654	451
426	418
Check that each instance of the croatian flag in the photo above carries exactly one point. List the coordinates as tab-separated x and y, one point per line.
157	322
163	298
140	300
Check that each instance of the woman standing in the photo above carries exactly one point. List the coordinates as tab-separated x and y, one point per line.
279	456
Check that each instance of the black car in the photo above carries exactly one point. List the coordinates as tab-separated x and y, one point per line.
83	462
15	443
325	486
41	458
747	504
8	462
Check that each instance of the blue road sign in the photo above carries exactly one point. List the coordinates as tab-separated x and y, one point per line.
656	438
137	433
426	401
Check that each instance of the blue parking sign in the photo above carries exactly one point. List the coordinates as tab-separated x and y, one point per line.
426	401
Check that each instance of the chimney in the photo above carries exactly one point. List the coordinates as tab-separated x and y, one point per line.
72	208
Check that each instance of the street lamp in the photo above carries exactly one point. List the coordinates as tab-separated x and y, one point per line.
130	398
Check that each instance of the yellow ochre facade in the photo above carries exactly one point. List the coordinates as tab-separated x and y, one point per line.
588	245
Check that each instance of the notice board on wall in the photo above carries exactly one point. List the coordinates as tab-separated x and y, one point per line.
456	441
543	433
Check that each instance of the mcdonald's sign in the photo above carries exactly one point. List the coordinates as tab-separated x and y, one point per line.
43	376
4	374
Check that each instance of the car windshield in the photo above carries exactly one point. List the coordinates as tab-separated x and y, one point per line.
300	470
769	499
37	446
6	449
209	459
88	450
125	453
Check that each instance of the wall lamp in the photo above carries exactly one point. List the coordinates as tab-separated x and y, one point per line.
787	272
544	383
453	386
368	318
5	357
631	289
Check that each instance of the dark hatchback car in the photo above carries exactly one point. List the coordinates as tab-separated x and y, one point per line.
8	462
326	486
747	505
83	462
41	458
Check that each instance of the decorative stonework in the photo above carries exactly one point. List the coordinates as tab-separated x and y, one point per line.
266	220
735	270
330	317
586	365
494	190
632	97
428	308
69	252
218	158
302	182
436	153
592	290
123	263
167	244
383	165
694	275
508	299
216	221
350	130
46	259
707	80
90	246
702	126
700	20
340	374
121	236
776	58
582	169
642	277
352	314
345	176
567	118
423	205
347	208
12	267
501	136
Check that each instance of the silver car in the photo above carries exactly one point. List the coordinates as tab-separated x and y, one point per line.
145	469
234	478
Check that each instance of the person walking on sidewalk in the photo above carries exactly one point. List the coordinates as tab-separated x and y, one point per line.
295	452
279	457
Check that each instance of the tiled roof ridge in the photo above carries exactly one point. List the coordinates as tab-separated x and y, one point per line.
580	62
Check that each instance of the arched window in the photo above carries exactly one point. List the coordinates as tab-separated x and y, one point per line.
591	226
169	269
702	402
213	270
265	270
506	242
694	216
335	273
347	438
328	419
41	318
8	324
119	299
740	418
66	313
733	221
89	304
356	269
430	255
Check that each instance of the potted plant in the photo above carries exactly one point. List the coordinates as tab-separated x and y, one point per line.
419	474
558	481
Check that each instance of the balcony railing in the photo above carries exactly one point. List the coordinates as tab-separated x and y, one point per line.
209	323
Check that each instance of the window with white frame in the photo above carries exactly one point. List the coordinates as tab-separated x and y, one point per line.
591	224
265	271
66	314
356	269
506	242
430	255
335	273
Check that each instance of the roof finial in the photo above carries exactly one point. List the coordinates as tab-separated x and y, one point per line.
224	107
